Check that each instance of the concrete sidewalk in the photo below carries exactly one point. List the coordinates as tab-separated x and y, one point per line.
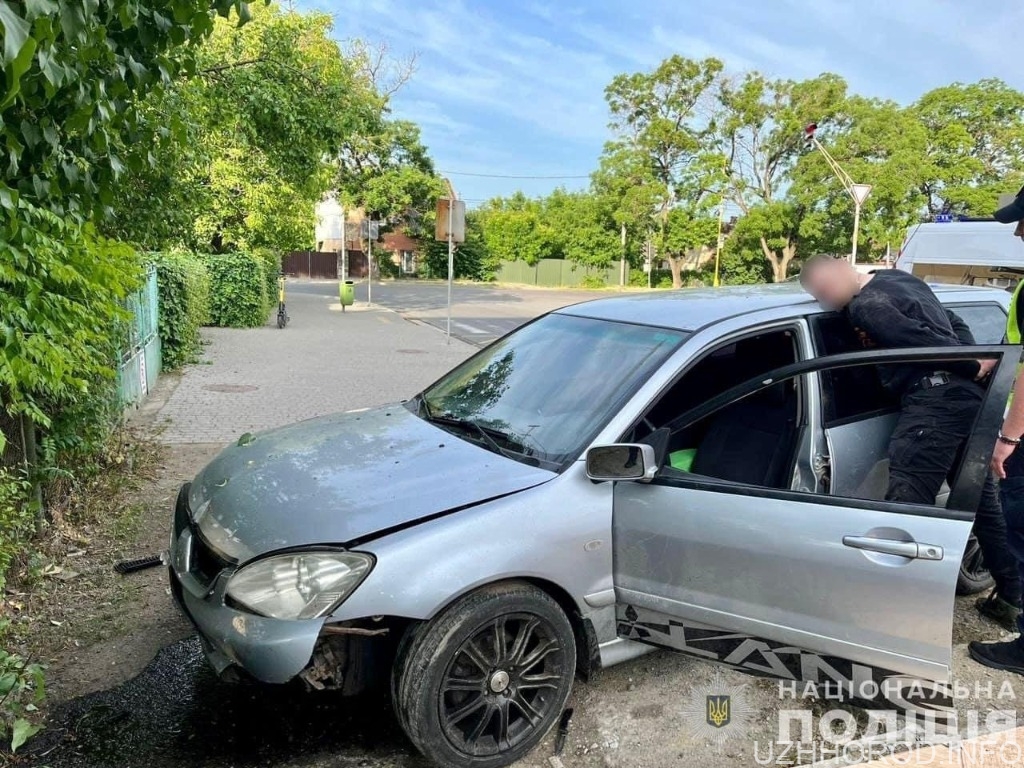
325	361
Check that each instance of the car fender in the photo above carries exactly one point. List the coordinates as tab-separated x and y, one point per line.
558	532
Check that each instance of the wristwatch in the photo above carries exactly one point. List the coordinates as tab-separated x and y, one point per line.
1014	441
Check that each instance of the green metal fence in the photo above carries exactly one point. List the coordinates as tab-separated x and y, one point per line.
139	365
554	273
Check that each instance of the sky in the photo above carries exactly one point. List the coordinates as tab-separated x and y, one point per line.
515	88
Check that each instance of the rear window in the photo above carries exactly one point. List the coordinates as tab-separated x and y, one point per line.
986	321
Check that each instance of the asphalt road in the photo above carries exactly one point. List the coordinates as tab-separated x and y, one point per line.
480	313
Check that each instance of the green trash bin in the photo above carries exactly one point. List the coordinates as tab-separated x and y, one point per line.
346	293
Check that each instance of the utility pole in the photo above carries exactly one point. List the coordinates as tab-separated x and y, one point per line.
650	262
718	243
859	192
622	265
369	262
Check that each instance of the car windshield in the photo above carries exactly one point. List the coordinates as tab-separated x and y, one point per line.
542	393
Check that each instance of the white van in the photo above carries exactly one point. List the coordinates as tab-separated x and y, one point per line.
964	253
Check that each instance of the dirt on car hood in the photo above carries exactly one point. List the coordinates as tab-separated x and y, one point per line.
343	477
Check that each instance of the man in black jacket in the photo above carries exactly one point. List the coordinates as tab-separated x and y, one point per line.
893	309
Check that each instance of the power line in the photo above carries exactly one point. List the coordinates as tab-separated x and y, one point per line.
507	176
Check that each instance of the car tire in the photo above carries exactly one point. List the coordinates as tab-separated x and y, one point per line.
974	576
483	683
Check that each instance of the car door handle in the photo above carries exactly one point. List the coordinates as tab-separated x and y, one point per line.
909	549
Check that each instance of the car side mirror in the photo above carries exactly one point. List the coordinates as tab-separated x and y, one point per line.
624	461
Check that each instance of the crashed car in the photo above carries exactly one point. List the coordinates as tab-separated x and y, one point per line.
696	470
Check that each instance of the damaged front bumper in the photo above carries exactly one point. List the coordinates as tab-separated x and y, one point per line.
269	650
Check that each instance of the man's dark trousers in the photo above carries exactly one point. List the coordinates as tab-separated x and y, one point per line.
934	425
1011	493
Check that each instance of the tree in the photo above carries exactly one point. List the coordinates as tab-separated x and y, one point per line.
471	259
690	239
661	141
760	127
265	108
581	228
975	145
385	169
879	143
73	71
513	229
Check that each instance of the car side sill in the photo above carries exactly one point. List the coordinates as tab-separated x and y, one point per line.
621	649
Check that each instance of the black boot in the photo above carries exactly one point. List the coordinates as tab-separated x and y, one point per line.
1008	657
1005	614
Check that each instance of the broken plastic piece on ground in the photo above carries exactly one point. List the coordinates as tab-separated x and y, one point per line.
138	564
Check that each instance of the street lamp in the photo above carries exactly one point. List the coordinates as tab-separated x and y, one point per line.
859	192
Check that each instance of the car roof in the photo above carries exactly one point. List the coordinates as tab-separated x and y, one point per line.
688	309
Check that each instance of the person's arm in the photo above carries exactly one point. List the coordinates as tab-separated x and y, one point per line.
888	327
1013	428
963	332
960	328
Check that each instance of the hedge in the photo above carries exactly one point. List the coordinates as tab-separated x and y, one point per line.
271	263
238	290
184	285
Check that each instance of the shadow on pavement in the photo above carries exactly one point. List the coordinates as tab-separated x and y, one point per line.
177	713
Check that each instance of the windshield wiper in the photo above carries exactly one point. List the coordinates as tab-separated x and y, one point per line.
468	425
488	435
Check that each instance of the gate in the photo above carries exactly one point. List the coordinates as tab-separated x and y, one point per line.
317	265
139	363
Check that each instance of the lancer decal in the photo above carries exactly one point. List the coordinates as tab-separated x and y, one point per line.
822	676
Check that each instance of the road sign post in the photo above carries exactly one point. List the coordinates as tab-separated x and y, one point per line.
450	226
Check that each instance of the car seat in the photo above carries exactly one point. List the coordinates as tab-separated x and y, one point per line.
751	441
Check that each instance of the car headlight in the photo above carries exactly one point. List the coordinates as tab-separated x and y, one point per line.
298	585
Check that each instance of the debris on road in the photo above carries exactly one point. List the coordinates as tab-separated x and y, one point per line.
138	564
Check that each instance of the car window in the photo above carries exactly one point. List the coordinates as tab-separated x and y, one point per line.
746	449
852	393
752	441
544	391
987	321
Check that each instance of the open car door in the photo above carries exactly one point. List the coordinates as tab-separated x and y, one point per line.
798	585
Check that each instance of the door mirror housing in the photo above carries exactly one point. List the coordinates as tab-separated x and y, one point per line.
623	461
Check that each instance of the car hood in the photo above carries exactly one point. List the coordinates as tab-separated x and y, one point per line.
343	477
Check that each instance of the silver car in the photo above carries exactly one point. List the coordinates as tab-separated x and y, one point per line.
696	470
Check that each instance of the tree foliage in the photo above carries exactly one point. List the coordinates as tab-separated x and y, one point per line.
471	261
265	107
661	137
513	229
686	137
72	72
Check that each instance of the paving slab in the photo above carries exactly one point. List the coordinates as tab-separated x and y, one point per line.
324	361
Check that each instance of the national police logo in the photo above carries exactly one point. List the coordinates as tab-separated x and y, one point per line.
717	711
